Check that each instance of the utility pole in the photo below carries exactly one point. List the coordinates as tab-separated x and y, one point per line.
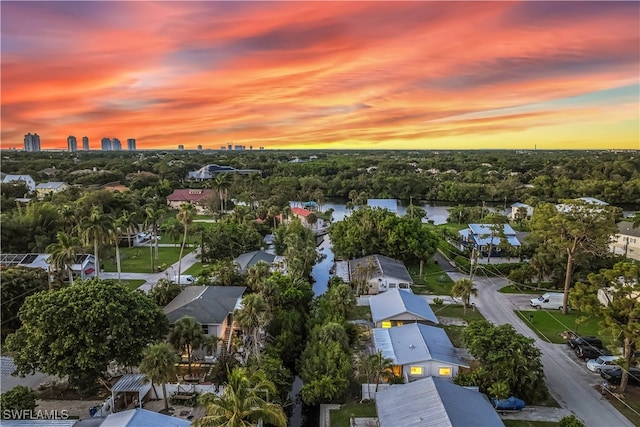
474	263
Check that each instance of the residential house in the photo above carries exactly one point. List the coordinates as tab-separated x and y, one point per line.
566	207
211	306
520	211
115	187
376	273
481	237
434	402
626	242
46	188
31	184
212	171
197	197
388	204
142	418
396	308
83	268
419	351
249	259
312	222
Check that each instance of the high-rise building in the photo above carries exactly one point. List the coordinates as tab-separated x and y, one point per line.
180	147
229	147
106	144
85	143
72	144
31	142
131	144
115	144
199	147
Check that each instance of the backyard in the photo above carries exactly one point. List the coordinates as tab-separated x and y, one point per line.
433	280
138	259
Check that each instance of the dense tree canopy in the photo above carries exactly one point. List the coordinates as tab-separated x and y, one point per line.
575	229
378	231
228	239
78	330
505	355
620	288
17	284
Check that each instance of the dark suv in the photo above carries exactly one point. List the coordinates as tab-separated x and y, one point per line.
585	341
614	375
586	352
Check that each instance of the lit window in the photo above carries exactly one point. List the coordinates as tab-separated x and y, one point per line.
416	370
444	372
386	324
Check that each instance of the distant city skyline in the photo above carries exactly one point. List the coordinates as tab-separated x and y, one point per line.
426	75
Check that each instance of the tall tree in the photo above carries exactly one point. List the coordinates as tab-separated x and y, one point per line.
129	222
619	288
16	284
185	216
222	183
300	250
164	292
463	289
78	330
253	317
96	229
576	228
244	403
159	365
153	216
64	252
186	335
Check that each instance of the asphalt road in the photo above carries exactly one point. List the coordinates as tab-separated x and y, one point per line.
569	381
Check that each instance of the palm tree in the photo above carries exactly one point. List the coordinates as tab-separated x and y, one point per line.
185	216
252	317
64	252
153	217
159	365
210	344
222	183
244	403
225	272
129	221
257	274
185	336
463	288
96	229
378	368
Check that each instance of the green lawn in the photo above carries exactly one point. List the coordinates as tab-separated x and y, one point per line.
342	417
133	284
631	400
138	259
195	269
548	324
455	332
434	281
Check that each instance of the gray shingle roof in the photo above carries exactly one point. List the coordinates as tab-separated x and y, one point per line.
249	259
416	343
434	402
207	304
626	228
383	266
395	302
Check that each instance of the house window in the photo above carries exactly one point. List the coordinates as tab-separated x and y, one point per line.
416	371
444	371
386	324
205	329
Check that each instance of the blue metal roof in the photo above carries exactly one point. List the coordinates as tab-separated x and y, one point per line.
143	418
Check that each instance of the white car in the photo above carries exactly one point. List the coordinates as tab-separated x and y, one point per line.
602	363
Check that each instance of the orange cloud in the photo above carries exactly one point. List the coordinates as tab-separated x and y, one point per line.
305	74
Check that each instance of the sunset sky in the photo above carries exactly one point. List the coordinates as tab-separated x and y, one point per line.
347	75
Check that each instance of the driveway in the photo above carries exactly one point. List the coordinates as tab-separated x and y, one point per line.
569	381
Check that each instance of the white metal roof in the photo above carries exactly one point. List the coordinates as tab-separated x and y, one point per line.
395	302
434	402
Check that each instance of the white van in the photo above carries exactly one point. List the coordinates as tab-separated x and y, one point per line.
551	300
185	279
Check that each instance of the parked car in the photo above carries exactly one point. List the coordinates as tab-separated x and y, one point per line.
601	363
614	375
590	340
587	352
